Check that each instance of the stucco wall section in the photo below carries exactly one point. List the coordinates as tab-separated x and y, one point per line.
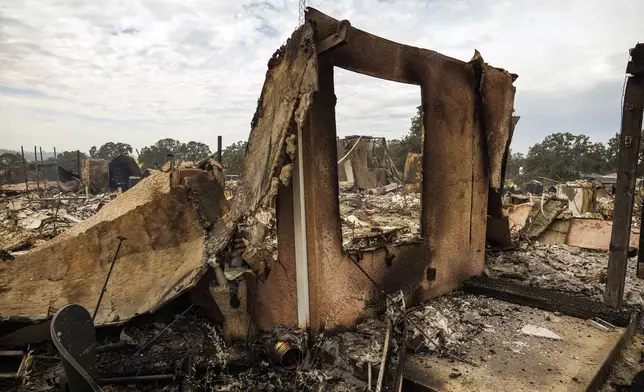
162	256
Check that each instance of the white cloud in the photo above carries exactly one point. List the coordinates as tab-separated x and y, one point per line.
80	73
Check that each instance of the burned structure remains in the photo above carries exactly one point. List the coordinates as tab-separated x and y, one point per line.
467	119
292	165
365	162
269	256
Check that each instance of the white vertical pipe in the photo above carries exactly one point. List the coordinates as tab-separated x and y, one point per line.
299	225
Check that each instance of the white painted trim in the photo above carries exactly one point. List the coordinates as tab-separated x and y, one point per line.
299	225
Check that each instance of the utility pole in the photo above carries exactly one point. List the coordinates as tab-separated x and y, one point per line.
627	160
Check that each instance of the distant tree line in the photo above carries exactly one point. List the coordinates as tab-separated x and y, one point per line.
565	156
410	142
154	156
559	157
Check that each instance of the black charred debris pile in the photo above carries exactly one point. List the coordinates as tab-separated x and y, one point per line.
175	342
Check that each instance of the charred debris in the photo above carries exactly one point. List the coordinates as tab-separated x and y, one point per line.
323	267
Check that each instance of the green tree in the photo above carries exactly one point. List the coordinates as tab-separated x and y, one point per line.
513	172
155	155
110	150
194	151
232	157
69	160
11	168
564	156
411	142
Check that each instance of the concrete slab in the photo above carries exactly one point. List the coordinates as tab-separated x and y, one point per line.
510	360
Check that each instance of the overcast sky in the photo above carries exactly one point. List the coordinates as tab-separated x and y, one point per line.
79	73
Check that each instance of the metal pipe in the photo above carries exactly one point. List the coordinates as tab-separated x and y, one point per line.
100	298
286	352
135	379
163	330
59	198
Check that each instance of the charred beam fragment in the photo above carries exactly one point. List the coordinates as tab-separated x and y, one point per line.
627	160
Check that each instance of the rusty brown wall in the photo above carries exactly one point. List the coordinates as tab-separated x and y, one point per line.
454	208
455	180
276	300
456	169
456	175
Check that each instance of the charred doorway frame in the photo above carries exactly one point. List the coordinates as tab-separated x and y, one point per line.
453	205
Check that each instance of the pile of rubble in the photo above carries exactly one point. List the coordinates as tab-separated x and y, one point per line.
180	339
564	268
381	215
28	219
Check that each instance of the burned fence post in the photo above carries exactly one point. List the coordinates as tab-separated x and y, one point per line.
78	166
626	177
44	184
56	171
24	168
219	142
36	163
